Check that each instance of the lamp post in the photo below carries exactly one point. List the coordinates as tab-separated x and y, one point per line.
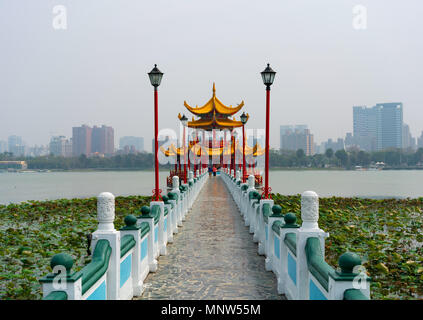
184	121
268	75
155	76
233	156
244	119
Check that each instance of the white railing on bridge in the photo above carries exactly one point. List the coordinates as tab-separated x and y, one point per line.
122	259
296	253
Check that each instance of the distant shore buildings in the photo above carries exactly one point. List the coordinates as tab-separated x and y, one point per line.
295	137
93	141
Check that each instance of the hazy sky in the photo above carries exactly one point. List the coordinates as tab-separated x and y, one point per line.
95	71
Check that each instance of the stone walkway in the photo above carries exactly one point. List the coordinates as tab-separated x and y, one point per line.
213	255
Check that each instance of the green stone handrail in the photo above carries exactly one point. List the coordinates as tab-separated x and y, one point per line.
127	242
155	212
354	294
166	211
93	271
266	212
316	262
145	228
56	295
276	227
291	242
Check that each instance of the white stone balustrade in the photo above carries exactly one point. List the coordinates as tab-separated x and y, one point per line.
287	247
142	240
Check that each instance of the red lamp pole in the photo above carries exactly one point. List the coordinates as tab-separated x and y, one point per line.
185	160
268	76
156	145
243	154
266	183
155	76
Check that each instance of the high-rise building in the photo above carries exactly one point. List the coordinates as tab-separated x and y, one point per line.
334	145
3	146
16	145
103	140
420	141
408	142
136	142
296	137
60	146
378	128
81	140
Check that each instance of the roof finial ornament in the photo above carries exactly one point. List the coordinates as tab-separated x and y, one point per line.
214	90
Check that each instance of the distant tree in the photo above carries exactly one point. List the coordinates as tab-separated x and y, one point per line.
342	156
329	153
363	158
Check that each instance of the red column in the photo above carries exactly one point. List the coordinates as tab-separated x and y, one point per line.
185	160
156	146
266	171
243	155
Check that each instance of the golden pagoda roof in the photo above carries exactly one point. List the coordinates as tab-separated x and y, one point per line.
214	122
214	105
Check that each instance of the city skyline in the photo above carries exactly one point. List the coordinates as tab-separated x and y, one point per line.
53	78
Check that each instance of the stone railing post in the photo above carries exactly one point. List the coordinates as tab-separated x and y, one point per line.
147	217
161	240
62	279
106	230
131	228
175	184
309	228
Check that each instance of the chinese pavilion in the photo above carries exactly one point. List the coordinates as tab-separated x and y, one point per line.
213	116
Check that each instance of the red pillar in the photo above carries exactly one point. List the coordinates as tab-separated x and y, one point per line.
243	155
157	190
266	171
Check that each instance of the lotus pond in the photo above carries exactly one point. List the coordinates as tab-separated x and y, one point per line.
387	234
32	232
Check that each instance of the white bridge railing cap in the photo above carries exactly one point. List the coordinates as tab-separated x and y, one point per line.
106	211
310	209
175	182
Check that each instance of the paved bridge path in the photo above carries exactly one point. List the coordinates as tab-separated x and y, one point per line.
213	256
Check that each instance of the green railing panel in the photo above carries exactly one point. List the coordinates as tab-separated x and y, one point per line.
354	294
166	211
145	228
155	212
93	271
276	226
291	242
316	262
266	212
127	242
56	295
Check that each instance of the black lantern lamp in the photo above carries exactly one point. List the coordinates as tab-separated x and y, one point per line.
268	76
155	76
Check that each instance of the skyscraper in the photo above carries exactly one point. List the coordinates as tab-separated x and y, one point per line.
81	140
60	146
103	140
378	128
3	146
137	142
16	145
296	137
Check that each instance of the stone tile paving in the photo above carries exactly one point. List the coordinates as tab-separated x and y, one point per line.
213	255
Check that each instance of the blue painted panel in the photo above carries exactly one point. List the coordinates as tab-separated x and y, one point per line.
99	293
315	293
292	268
165	225
125	269
267	232
277	246
156	234
144	248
